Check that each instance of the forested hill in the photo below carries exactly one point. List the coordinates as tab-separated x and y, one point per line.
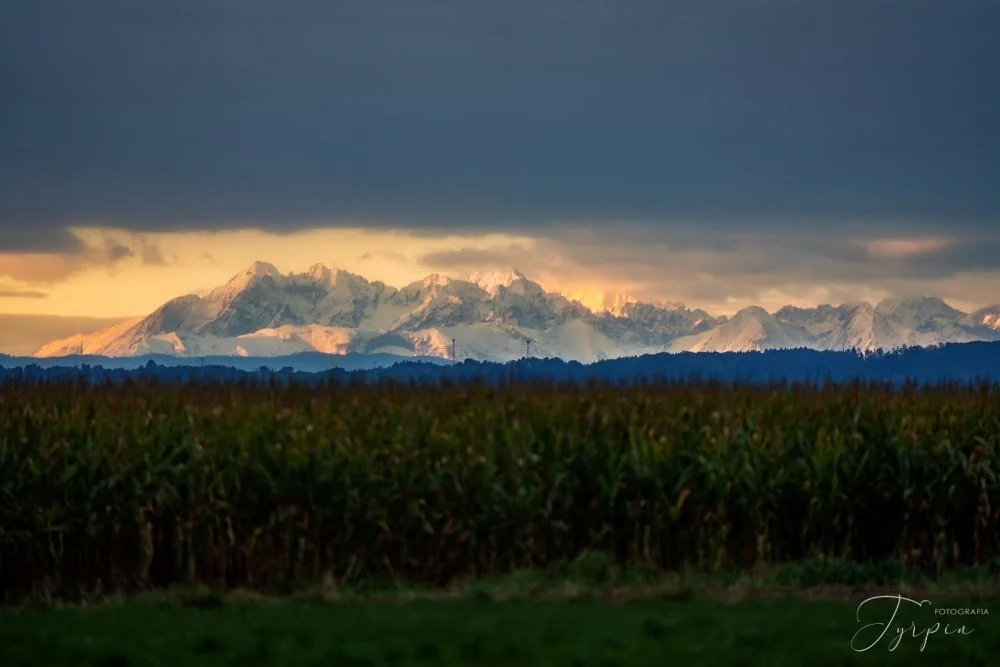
966	362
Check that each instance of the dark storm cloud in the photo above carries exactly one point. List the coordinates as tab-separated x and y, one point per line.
22	294
116	252
757	259
476	258
33	237
965	256
439	115
47	266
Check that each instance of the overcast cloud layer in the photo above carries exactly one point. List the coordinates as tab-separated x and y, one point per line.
748	115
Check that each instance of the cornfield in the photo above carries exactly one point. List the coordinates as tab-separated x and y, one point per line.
125	487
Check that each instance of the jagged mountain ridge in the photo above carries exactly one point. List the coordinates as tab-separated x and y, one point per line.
494	317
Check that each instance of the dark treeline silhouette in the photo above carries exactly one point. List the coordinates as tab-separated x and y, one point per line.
961	362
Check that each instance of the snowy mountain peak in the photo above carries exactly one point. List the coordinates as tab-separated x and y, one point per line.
259	270
491	281
857	305
922	304
751	312
334	277
436	280
261	312
619	302
320	273
603	302
988	317
671	305
750	329
243	280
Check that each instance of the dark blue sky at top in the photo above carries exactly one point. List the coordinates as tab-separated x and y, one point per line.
496	115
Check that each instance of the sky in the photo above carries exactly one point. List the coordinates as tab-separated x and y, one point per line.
719	153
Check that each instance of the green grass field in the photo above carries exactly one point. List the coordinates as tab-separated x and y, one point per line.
770	632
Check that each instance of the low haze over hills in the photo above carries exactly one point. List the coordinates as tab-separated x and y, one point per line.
496	316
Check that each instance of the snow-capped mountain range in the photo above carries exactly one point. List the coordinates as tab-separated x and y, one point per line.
496	317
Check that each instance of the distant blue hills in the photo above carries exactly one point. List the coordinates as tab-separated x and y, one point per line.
301	361
957	362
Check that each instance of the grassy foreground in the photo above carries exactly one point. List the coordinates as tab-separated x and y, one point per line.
580	633
587	613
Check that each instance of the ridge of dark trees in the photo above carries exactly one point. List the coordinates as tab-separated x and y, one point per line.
965	363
